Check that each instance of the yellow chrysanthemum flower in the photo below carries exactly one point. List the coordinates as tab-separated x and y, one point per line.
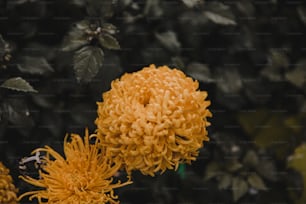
85	176
7	189
153	119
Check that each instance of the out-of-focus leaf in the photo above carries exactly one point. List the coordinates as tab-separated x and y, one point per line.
298	75
100	8
233	166
178	62
219	19
109	28
76	36
229	80
277	61
17	84
87	63
297	161
251	159
29	29
225	180
169	40
199	72
267	169
79	2
17	113
3	45
153	9
256	182
295	182
268	130
240	188
109	42
219	14
302	13
212	170
34	65
246	7
192	3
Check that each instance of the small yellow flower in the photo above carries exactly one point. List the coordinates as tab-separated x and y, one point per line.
153	119
7	189
85	176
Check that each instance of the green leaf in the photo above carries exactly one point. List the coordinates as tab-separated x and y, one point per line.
239	187
87	63
182	171
34	65
225	180
256	182
169	41
18	84
109	42
251	159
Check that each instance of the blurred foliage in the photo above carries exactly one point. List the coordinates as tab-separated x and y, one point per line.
58	57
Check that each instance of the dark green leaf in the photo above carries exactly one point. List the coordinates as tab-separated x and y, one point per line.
34	65
18	84
76	36
169	40
225	180
251	159
109	42
87	63
256	182
239	187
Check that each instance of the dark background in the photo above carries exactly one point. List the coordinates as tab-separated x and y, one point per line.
249	56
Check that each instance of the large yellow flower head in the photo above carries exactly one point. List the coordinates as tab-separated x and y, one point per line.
153	119
7	189
85	176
